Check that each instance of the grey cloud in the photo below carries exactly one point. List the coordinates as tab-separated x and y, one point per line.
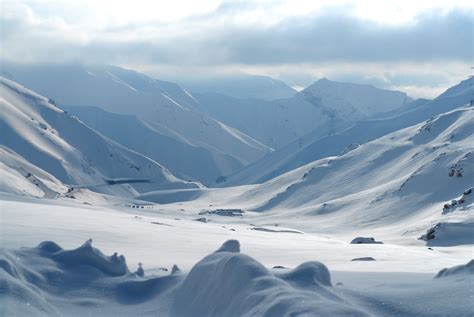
334	37
207	44
326	37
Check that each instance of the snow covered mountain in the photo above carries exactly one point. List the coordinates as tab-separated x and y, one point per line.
316	145
166	107
417	182
412	189
44	146
327	106
353	100
241	86
232	129
182	159
391	177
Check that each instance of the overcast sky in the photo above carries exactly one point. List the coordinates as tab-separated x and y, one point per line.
421	47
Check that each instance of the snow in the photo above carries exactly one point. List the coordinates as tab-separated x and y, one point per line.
364	240
181	158
122	239
50	280
165	106
355	99
464	269
241	86
451	233
66	150
328	107
320	144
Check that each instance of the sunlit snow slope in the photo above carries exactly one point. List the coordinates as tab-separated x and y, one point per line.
165	106
43	145
316	146
406	176
327	106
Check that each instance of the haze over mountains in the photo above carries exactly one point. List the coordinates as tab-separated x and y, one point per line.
241	86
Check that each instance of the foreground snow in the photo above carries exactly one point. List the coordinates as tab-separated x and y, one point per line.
160	236
48	280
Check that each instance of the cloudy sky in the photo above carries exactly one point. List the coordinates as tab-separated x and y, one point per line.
421	47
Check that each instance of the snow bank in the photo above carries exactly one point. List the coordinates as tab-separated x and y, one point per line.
228	283
364	258
450	234
114	265
365	240
48	280
464	269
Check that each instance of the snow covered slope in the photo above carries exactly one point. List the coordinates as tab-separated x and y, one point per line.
43	144
314	146
353	100
181	158
165	106
275	123
20	177
404	177
48	280
327	106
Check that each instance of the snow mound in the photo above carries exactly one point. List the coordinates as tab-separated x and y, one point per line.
464	269
232	246
309	273
114	265
364	258
48	280
228	283
364	240
450	234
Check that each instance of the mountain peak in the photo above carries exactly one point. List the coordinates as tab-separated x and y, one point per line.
362	100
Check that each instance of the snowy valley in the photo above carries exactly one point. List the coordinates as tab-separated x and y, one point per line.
133	196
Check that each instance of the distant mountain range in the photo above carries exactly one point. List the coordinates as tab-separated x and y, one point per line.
315	146
211	134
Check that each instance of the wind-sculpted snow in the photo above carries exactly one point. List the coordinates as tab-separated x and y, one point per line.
228	283
52	281
458	270
48	280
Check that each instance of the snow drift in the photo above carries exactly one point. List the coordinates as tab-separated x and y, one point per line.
458	270
48	280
